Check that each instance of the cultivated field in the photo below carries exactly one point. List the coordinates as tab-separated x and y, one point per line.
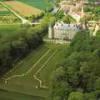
7	17
4	12
32	75
23	9
2	8
41	4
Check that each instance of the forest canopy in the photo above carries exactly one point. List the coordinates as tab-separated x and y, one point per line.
78	77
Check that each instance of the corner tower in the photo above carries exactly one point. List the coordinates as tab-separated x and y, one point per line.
50	32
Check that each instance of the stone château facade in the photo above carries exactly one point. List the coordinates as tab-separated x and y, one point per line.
62	31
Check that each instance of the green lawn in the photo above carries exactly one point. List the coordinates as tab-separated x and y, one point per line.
41	4
45	73
7	95
8	28
7	32
41	63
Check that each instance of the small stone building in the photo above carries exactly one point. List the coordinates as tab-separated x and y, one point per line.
62	31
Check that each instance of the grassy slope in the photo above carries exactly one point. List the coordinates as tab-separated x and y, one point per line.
7	32
29	86
45	73
8	29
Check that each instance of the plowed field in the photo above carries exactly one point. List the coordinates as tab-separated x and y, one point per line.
23	9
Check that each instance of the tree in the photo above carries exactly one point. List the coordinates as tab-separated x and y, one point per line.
68	19
90	96
92	2
76	96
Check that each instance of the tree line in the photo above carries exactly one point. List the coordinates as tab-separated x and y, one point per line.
78	76
27	39
17	49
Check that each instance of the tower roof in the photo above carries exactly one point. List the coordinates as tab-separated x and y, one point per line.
64	26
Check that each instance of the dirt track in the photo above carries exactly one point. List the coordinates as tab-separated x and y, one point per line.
2	8
23	9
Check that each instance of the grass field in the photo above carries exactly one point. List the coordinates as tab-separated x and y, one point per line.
32	75
5	95
41	4
9	28
8	32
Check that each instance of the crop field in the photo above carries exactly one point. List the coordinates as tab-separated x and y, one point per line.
32	75
6	16
41	4
22	8
2	8
4	11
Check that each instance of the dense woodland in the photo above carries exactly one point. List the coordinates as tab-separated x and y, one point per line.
78	77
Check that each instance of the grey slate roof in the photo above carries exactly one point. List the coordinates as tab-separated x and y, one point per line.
63	26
